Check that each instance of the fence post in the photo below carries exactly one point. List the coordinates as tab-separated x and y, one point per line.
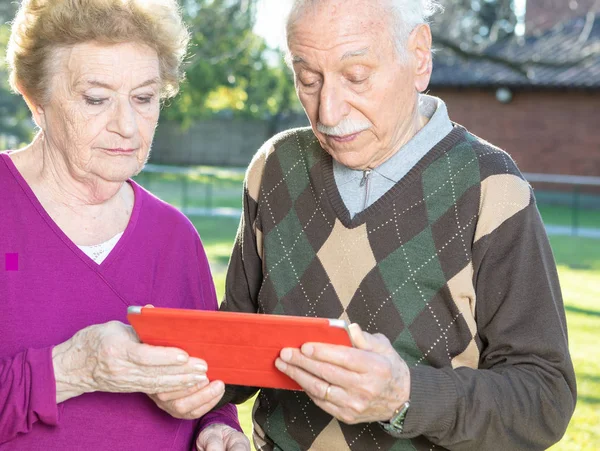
184	192
209	193
575	211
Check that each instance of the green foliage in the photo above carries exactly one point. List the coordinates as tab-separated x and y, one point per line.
15	124
228	70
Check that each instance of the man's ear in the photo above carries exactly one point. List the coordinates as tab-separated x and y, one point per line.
419	44
37	110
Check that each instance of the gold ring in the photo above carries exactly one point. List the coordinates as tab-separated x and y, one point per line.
327	392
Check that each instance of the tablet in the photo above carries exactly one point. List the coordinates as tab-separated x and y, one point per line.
239	348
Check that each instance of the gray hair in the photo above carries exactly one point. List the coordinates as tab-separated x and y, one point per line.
405	16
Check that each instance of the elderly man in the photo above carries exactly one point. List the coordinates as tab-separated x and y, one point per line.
427	238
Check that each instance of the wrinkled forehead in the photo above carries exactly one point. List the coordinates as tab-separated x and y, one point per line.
332	21
118	64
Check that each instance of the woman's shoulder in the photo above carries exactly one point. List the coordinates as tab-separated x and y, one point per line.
161	216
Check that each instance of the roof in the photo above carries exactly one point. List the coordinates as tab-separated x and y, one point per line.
559	45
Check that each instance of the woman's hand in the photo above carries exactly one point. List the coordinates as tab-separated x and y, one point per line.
220	437
109	357
190	403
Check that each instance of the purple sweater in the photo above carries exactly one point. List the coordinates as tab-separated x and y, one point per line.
49	289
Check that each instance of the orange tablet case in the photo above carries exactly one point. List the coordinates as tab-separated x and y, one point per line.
239	348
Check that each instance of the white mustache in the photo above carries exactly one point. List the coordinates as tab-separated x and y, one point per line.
344	128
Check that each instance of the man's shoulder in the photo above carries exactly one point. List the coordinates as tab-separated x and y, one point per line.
492	159
283	150
286	141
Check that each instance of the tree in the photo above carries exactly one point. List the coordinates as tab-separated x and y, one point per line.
16	126
228	72
479	29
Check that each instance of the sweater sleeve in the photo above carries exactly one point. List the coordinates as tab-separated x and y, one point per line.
523	394
27	392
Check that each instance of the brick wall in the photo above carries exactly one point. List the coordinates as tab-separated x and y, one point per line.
554	132
542	15
545	131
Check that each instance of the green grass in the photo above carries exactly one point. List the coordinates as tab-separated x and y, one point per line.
563	216
578	261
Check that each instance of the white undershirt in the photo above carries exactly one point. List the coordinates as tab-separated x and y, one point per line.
98	252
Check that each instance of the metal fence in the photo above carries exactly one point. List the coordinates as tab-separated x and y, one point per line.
216	191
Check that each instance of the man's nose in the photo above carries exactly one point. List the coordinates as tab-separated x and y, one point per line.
333	107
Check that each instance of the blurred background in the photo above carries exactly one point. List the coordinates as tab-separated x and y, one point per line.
522	74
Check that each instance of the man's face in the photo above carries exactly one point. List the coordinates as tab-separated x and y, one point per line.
360	98
103	109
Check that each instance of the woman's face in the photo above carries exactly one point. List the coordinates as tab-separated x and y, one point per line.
103	109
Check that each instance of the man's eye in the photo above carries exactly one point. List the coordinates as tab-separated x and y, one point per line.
309	84
94	101
358	81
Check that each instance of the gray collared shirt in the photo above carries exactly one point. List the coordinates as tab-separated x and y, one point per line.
358	195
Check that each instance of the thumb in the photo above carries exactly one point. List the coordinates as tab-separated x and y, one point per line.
358	337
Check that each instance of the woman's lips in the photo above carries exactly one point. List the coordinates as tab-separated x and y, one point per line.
120	150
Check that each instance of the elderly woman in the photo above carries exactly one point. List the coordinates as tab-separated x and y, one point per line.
80	241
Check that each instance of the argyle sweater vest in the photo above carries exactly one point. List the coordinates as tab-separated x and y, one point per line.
406	267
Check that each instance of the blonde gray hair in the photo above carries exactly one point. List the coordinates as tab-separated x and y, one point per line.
43	26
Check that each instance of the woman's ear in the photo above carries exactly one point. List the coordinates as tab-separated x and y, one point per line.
37	110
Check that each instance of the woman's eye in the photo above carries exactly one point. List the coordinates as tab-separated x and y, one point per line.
94	101
144	99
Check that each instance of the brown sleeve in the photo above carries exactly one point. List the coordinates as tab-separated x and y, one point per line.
523	394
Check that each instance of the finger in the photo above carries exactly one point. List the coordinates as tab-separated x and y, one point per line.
198	403
211	440
350	359
177	394
167	383
215	392
357	337
312	384
147	355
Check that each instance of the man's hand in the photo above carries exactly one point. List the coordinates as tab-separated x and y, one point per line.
192	402
109	357
220	437
355	385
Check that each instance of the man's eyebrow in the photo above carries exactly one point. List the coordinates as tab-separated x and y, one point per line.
355	53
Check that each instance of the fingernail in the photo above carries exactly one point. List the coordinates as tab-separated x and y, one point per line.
286	355
182	358
219	387
281	366
200	367
308	350
199	377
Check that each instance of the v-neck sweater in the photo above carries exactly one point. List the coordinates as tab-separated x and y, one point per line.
50	289
451	264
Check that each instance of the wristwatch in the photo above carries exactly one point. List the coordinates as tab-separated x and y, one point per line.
395	426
